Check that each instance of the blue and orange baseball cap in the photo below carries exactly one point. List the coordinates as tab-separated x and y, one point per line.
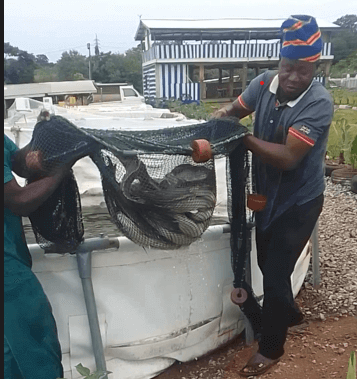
301	38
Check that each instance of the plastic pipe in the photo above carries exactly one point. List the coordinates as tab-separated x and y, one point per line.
89	244
84	260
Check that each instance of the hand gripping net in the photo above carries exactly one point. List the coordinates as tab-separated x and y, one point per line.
155	193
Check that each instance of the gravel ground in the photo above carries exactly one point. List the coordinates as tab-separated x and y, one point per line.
337	293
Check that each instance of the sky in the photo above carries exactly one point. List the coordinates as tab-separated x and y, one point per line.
52	27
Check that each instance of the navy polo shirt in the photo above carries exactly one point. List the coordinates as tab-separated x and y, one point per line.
308	118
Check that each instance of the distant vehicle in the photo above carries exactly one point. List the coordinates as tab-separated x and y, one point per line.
117	92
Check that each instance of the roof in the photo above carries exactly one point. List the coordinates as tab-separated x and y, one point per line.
12	91
110	84
217	29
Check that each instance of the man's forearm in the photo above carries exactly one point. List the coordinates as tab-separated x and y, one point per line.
25	200
233	109
273	154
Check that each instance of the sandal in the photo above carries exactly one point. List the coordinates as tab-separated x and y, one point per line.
257	365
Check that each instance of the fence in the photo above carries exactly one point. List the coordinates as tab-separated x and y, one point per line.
252	50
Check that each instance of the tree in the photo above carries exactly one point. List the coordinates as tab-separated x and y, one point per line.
42	60
46	74
71	64
133	67
19	65
345	66
348	21
344	42
113	68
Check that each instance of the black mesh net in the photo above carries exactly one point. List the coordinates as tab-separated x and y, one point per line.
155	192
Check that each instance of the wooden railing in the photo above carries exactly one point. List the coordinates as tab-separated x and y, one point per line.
244	51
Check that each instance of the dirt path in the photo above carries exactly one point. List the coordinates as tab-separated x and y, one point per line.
322	351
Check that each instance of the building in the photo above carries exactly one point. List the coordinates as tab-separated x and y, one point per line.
58	91
177	54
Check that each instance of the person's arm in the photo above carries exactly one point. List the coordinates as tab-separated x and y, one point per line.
235	109
284	157
25	200
18	161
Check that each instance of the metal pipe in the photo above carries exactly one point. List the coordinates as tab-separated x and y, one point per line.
315	256
89	244
84	260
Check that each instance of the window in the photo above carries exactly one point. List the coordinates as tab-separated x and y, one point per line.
128	92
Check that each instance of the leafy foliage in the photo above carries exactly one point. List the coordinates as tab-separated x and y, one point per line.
85	372
70	64
353	153
344	97
352	366
19	65
345	41
48	73
348	21
342	133
345	66
118	68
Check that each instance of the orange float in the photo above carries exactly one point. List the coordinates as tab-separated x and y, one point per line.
256	202
202	151
239	296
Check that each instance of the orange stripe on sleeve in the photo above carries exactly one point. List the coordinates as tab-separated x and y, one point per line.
301	136
243	104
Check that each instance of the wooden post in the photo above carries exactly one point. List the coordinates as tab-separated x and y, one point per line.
231	80
158	81
202	84
327	69
220	76
244	76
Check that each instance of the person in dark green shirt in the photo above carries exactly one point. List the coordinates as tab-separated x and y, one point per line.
31	346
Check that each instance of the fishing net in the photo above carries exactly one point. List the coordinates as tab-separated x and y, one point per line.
156	194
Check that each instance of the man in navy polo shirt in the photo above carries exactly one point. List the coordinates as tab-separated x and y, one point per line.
293	114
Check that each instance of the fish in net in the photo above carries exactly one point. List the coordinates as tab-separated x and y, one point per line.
156	194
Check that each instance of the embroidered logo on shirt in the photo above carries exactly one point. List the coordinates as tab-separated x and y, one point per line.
305	130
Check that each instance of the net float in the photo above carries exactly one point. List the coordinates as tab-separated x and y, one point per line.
256	202
239	296
202	150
